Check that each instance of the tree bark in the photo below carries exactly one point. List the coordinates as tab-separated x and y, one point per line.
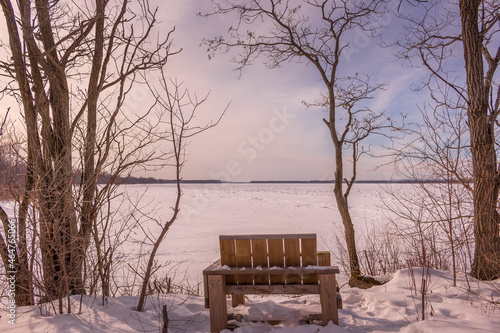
486	264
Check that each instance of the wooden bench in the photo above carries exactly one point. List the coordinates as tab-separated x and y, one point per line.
269	264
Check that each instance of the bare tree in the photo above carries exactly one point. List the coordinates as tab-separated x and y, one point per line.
315	32
439	36
181	107
71	66
438	161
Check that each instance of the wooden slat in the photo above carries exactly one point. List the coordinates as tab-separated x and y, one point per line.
259	255
244	259
324	258
268	236
272	270
228	256
276	259
274	289
292	259
309	257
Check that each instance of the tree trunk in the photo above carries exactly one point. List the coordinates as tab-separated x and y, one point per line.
341	199
486	264
349	235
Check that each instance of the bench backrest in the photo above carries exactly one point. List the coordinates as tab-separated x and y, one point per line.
270	250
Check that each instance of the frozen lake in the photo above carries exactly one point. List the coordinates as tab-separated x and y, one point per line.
208	211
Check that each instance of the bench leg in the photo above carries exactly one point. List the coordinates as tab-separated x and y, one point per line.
237	299
205	290
217	302
328	299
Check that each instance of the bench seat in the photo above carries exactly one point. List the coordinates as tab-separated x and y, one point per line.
269	264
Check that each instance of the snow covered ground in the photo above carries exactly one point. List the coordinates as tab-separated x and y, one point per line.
192	244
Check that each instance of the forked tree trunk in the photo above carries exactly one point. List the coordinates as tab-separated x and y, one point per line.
486	264
340	196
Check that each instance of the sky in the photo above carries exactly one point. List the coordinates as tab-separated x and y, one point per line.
267	133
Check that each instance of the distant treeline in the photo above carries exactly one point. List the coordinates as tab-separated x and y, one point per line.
394	181
105	178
